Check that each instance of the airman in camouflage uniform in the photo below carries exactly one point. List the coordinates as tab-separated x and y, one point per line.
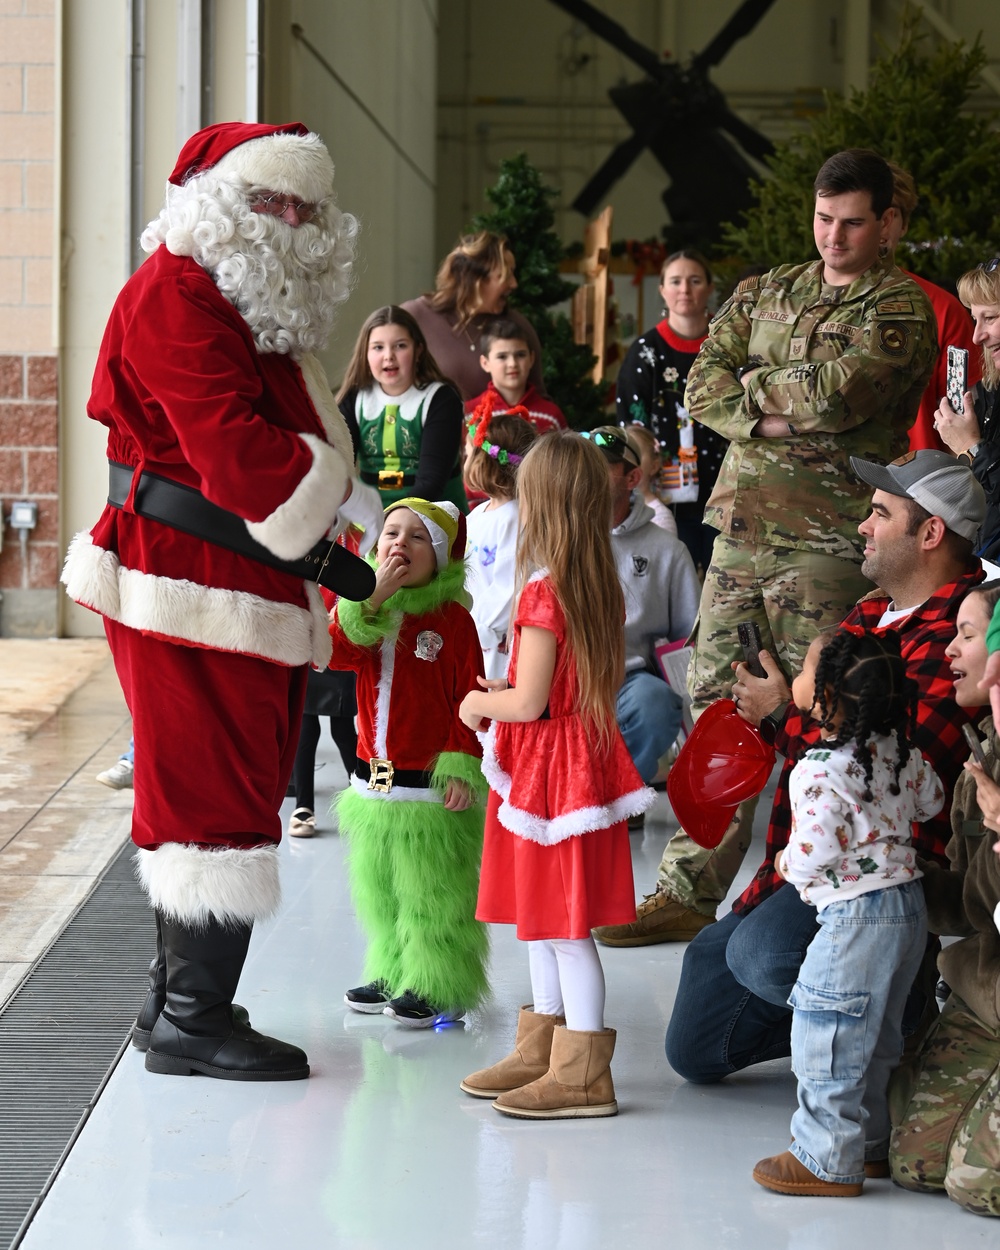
802	368
945	1102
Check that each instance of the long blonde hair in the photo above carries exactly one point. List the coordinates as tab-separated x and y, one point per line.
564	503
979	287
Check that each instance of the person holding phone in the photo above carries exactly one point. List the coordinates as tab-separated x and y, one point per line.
973	434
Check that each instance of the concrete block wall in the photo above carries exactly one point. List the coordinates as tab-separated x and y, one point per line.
29	416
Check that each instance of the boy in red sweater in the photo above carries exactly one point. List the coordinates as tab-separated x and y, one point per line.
508	359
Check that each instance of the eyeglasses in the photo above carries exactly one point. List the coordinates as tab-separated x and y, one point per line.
988	266
277	205
613	441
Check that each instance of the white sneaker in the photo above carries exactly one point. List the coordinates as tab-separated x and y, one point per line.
118	776
302	823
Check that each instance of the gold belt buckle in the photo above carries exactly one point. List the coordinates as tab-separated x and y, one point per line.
380	778
390	479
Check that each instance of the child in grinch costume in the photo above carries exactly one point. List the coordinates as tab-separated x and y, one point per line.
413	814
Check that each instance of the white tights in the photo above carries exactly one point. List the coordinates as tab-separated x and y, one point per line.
567	979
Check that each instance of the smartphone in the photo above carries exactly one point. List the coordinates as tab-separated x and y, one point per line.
975	746
958	377
749	636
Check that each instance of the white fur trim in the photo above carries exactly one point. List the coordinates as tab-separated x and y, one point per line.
227	620
409	794
570	824
321	397
291	164
195	884
322	642
308	513
383	693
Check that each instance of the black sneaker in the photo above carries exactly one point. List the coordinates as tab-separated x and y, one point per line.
370	998
417	1013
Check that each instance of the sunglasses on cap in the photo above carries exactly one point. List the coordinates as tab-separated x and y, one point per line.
614	443
988	266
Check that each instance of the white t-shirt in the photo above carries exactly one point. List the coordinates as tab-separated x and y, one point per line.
491	547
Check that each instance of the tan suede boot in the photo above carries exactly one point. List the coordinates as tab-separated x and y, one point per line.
577	1085
526	1062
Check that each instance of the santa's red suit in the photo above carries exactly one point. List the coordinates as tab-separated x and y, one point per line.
212	646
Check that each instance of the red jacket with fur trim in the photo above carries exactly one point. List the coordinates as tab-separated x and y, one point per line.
185	394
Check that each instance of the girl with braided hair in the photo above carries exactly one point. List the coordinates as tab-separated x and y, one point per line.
854	798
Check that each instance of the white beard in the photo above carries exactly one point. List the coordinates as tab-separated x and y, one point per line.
286	282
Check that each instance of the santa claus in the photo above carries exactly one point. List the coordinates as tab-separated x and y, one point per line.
231	471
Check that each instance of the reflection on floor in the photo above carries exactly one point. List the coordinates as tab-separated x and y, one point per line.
380	1148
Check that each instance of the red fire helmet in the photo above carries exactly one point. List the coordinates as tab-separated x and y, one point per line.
723	762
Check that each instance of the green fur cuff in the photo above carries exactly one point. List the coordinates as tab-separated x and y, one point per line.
457	766
366	628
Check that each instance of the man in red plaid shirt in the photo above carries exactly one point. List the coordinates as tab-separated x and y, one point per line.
731	1009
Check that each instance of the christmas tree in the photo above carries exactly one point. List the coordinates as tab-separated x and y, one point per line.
522	212
911	113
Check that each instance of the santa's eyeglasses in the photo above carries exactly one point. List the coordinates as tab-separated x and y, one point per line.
277	205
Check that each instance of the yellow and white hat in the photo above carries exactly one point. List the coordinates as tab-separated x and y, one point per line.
445	524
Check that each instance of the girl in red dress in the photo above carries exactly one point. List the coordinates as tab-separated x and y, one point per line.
556	858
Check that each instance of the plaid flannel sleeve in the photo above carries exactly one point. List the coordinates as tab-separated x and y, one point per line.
924	637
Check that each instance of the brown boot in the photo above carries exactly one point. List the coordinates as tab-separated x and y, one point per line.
526	1062
577	1085
658	918
786	1175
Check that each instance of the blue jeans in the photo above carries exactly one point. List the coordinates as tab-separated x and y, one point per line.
648	712
847	1027
731	1009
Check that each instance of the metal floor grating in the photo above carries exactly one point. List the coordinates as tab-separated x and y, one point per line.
62	1032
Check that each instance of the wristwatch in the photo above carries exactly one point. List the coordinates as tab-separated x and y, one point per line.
770	724
972	452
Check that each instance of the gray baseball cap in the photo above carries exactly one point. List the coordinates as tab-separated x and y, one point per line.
938	482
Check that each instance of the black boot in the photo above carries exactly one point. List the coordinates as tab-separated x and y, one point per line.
150	1010
196	1031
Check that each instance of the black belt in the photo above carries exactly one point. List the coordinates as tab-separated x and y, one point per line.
387	776
388	479
184	508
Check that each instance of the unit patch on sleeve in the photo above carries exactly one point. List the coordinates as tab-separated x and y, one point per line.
893	338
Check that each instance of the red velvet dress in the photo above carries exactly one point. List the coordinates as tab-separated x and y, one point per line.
556	856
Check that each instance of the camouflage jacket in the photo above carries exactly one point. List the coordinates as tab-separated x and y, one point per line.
964	901
845	366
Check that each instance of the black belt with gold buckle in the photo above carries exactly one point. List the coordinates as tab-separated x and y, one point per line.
388	479
382	775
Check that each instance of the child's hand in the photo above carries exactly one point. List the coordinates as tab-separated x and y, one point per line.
493	683
779	865
388	578
457	797
468	716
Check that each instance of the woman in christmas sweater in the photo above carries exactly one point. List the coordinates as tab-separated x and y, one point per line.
413	814
650	392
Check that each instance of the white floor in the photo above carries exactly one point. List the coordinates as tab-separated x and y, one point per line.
380	1148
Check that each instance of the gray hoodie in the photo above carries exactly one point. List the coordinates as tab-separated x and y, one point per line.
659	582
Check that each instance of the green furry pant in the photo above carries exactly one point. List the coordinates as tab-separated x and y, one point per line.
414	874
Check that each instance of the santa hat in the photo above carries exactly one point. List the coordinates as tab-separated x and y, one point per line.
444	523
288	159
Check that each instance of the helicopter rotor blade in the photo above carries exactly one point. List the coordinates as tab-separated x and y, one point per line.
739	25
614	34
615	166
